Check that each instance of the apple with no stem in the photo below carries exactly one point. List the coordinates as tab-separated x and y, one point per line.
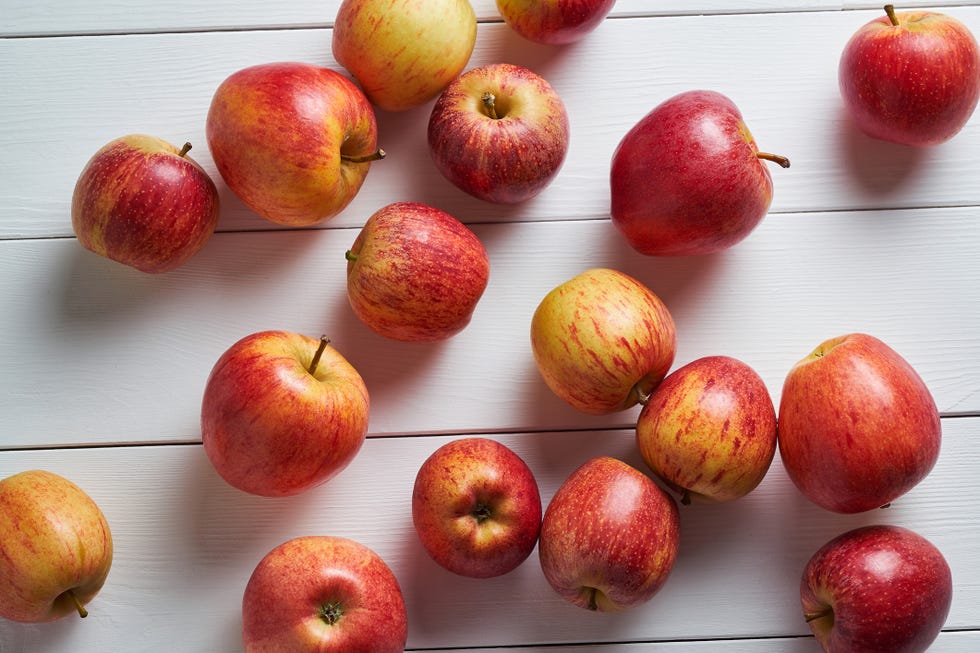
293	141
911	78
404	52
416	273
689	179
876	589
609	537
499	132
709	430
323	594
602	341
554	22
55	547
144	203
282	413
857	426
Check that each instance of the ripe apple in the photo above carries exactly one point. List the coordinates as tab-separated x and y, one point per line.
876	589
689	179
609	537
404	52
293	141
602	341
499	132
911	78
55	547
322	594
709	430
416	273
282	413
857	426
554	22
476	507
144	203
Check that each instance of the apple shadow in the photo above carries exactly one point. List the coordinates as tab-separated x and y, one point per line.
879	167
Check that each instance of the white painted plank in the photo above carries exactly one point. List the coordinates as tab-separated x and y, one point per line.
186	543
73	95
96	352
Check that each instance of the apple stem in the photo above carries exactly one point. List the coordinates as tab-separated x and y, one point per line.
324	341
890	11
184	150
813	616
775	158
488	101
350	256
82	612
593	604
686	498
364	158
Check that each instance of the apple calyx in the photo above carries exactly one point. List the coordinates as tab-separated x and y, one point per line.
775	158
324	341
890	11
364	158
184	150
489	100
331	612
481	513
82	612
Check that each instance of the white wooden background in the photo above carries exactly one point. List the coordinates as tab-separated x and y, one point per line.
102	368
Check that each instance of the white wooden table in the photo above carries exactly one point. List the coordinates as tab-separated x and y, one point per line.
102	368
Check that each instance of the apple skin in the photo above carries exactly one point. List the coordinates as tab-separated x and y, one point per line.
476	507
55	547
416	273
554	22
915	81
602	341
144	203
404	52
709	430
293	141
507	154
609	537
323	594
876	589
272	428
857	426
689	179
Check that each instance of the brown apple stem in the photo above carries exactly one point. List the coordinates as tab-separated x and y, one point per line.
890	10
775	158
350	256
82	612
813	616
364	158
488	101
324	341
184	150
887	505
686	498
593	603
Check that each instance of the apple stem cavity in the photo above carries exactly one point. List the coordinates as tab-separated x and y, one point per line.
813	616
489	100
331	612
184	150
324	341
364	158
890	11
775	158
82	612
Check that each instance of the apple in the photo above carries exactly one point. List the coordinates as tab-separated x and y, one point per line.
416	273
857	426
404	52
282	413
554	22
293	141
609	537
499	132
602	341
911	78
55	547
876	589
323	594
689	179
144	203
476	507
709	430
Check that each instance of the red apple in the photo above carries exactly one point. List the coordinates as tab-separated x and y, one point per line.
144	203
911	78
688	178
857	426
609	537
293	141
709	430
321	594
416	273
476	507
554	22
876	589
499	132
282	413
602	341
55	547
404	52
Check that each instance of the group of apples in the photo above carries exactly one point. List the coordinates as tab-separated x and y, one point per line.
856	426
